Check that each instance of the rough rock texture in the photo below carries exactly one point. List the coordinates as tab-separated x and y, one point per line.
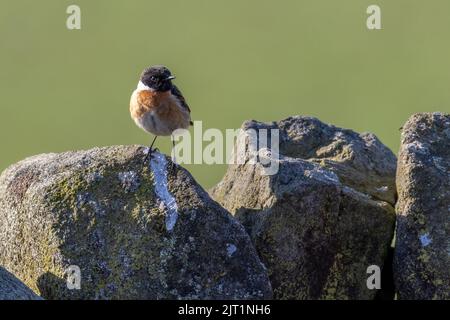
422	255
12	288
324	217
135	231
360	161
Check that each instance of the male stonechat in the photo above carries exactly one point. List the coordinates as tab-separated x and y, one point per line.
157	105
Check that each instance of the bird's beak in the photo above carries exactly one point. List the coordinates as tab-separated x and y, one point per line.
170	78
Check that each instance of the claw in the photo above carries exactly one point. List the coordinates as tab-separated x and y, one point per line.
149	154
150	150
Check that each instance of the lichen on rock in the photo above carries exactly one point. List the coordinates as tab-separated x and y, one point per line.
105	212
422	253
324	217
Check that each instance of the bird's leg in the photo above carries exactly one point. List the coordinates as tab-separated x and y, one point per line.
153	142
150	149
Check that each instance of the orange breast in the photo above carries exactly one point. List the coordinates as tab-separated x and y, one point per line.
144	101
172	113
168	113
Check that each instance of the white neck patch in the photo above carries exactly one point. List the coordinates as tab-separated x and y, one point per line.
142	86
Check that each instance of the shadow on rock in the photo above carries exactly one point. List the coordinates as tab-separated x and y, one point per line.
47	283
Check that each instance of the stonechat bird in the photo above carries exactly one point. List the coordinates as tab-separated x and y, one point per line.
157	105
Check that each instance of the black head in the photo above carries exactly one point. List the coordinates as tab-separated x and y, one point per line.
158	78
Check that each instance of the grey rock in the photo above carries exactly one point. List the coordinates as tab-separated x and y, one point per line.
12	288
135	231
360	160
324	217
422	253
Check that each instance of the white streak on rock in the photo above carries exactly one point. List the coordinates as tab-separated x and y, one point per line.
416	147
425	239
231	249
158	165
383	189
322	175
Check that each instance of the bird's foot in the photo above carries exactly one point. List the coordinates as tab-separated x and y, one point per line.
149	154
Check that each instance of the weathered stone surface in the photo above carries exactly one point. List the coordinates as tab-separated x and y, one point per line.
422	255
136	232
12	288
360	160
324	217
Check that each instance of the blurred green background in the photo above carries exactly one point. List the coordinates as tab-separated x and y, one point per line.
234	60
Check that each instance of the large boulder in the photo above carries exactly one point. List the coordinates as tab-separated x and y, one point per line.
124	229
324	217
422	253
12	288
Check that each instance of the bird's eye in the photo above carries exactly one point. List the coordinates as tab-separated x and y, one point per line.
153	78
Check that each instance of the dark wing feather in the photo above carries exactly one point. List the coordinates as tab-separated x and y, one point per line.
177	93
